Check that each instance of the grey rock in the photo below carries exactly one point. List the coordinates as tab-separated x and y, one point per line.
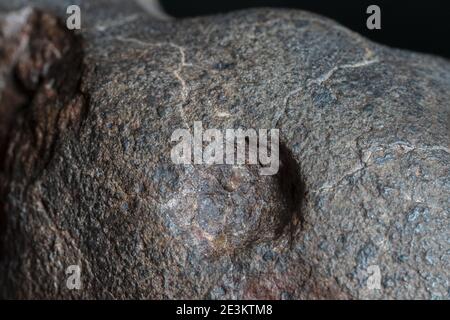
87	177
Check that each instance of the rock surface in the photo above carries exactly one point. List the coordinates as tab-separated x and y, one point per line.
87	178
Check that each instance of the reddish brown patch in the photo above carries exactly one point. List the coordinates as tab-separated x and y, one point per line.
41	67
40	97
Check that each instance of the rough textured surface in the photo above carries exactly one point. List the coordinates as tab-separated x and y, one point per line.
87	177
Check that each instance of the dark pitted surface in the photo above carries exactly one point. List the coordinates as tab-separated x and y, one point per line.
87	177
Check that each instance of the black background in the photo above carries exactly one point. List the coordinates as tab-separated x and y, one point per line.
416	25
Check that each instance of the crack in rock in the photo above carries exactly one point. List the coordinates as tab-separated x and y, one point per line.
176	72
325	77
